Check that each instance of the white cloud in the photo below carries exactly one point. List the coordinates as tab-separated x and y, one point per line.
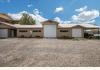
59	9
35	16
66	22
36	11
85	15
30	5
58	19
81	9
17	16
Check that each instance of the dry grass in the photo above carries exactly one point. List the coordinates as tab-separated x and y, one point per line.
49	52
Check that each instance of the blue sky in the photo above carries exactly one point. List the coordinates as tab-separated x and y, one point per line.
62	10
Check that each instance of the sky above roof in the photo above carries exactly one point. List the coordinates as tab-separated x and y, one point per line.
63	11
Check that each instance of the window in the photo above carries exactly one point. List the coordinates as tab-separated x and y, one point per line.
22	30
63	30
36	30
39	30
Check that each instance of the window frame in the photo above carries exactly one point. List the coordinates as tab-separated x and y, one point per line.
36	31
23	31
64	30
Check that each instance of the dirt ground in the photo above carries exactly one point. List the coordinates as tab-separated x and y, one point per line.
30	52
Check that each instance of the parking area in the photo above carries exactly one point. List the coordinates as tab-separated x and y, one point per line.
31	52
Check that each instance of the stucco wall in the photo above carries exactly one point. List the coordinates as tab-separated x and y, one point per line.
30	33
63	34
38	34
60	34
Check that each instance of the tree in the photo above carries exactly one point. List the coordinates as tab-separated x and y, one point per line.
14	21
26	19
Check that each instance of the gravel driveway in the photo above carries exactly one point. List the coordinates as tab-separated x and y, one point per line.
22	52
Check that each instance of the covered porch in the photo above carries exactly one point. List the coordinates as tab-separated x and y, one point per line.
92	33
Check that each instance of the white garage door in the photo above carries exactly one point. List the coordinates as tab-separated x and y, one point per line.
76	32
49	30
3	33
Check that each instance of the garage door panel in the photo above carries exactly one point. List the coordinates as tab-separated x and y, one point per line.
76	32
3	33
49	30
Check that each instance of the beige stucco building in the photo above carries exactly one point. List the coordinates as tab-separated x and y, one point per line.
47	29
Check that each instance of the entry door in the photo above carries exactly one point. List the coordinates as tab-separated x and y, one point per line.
50	30
76	32
3	33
